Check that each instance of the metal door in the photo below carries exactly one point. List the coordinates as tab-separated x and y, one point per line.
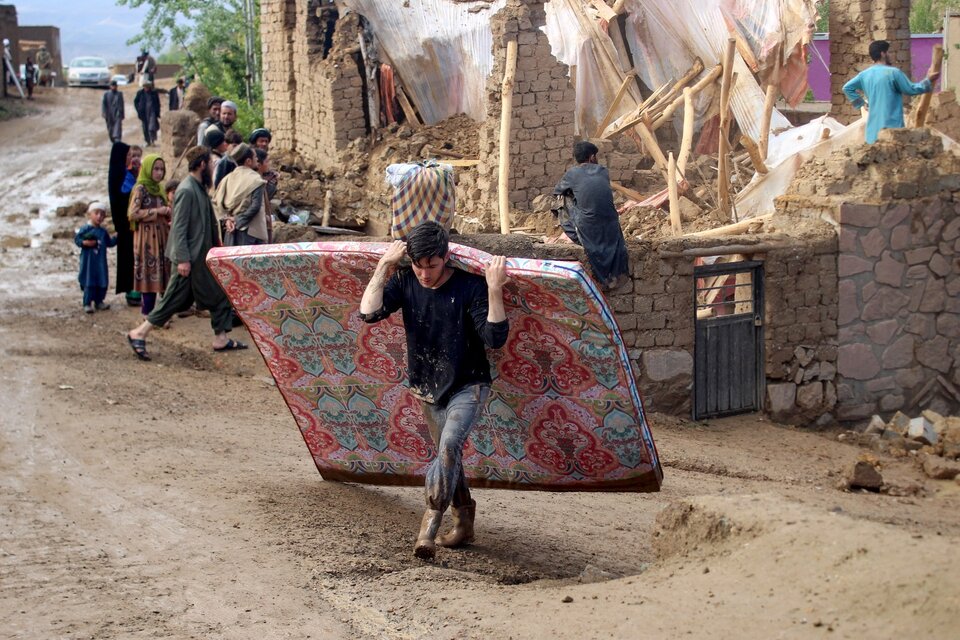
728	372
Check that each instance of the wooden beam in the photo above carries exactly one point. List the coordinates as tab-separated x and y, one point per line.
506	116
652	146
608	116
674	98
461	162
731	229
723	174
686	140
755	156
637	116
604	10
701	84
924	107
627	192
675	221
408	109
769	101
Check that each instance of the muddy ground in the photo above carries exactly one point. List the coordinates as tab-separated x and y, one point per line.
175	499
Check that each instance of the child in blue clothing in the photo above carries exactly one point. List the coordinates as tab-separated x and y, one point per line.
93	241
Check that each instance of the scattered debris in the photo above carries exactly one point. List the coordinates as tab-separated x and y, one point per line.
865	475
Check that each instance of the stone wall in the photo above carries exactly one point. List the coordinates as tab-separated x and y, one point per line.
899	310
854	24
542	129
655	314
801	331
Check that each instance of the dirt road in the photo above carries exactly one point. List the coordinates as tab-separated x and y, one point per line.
175	499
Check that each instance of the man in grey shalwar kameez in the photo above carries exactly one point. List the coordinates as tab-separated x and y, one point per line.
112	111
593	221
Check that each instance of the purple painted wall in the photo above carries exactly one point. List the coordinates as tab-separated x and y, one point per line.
818	74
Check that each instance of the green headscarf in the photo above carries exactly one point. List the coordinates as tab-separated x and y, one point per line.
145	178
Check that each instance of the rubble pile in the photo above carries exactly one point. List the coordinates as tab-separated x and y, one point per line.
933	439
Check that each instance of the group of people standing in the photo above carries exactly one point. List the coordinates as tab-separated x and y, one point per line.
164	228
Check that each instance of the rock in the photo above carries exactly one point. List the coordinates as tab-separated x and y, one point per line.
663	364
864	475
921	430
951	440
592	574
899	354
72	210
899	423
567	599
781	397
877	426
941	424
933	417
937	468
803	355
810	396
857	362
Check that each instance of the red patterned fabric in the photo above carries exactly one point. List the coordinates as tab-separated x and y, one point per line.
563	414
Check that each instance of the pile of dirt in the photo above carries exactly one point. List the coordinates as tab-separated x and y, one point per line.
358	188
904	164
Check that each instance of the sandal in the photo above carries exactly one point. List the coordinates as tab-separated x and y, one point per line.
139	347
232	345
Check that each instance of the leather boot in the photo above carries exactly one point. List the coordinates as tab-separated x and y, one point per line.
426	547
462	532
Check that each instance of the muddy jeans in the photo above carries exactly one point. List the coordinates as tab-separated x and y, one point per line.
449	427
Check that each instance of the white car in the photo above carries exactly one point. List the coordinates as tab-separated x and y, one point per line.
120	79
88	71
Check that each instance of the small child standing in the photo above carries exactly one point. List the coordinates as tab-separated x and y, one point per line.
93	241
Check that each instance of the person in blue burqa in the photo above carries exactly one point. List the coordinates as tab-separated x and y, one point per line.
881	89
590	217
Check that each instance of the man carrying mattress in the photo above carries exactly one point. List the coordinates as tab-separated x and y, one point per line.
449	316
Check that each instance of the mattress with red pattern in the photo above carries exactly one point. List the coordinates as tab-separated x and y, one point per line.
564	412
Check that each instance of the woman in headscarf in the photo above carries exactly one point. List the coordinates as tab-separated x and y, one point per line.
150	216
122	175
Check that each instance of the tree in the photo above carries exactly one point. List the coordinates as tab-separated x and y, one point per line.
926	16
212	37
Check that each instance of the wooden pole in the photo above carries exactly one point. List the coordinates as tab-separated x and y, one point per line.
703	83
755	156
408	109
732	229
723	173
506	115
627	192
327	208
653	147
924	107
675	222
686	140
769	101
608	116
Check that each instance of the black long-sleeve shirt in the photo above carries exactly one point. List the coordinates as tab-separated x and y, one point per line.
446	329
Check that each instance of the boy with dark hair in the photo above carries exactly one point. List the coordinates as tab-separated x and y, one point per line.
449	316
592	219
884	86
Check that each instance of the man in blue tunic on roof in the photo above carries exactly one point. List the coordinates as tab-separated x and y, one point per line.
881	89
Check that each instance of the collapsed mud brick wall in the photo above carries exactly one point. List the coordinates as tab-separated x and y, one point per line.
542	131
899	308
11	31
31	38
313	85
854	24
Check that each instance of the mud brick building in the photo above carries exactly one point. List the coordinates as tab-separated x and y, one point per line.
842	307
33	37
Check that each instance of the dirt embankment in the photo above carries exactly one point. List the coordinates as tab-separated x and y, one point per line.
175	499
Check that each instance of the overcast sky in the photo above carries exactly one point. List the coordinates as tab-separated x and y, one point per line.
87	27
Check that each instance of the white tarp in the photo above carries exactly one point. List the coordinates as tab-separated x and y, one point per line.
442	52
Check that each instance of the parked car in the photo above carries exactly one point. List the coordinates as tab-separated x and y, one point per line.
120	79
88	71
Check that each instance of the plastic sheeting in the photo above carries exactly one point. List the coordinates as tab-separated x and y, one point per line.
442	52
789	151
700	30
